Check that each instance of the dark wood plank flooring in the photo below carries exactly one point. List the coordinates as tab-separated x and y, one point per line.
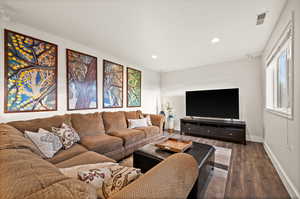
251	174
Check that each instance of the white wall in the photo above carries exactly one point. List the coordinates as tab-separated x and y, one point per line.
282	136
243	74
150	79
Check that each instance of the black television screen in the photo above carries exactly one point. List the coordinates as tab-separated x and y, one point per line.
222	103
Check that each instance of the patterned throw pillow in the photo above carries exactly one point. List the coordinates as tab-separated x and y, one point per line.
72	172
47	142
68	136
109	180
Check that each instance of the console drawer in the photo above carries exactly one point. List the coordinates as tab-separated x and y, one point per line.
199	129
229	134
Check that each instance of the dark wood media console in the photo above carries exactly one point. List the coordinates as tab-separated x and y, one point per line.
226	130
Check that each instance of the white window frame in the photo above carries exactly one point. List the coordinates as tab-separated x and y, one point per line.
286	40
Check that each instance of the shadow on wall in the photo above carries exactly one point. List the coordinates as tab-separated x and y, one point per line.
178	104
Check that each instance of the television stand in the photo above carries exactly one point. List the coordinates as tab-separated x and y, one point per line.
226	130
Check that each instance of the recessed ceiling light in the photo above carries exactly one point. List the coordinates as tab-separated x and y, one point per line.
154	56
215	40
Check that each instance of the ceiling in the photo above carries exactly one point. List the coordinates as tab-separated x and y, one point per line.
179	32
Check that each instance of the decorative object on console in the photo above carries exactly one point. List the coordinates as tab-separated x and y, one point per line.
112	85
30	74
171	118
134	82
67	135
163	114
81	81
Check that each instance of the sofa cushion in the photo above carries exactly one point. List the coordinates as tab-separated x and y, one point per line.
67	154
129	136
114	121
25	175
88	157
12	138
88	124
149	130
133	115
44	123
102	143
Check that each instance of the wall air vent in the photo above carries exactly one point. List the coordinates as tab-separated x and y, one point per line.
261	18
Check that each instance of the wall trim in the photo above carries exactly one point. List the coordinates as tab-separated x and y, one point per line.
283	176
255	138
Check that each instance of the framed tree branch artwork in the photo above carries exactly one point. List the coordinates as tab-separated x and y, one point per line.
30	74
81	81
112	85
134	82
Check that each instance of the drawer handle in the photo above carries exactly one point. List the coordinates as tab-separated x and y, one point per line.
230	133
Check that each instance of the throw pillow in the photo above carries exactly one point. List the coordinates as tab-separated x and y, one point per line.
109	180
72	172
68	136
47	142
148	119
137	123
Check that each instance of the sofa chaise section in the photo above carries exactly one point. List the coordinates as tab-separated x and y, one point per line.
89	157
63	155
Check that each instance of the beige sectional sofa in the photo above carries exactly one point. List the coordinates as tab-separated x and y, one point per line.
105	137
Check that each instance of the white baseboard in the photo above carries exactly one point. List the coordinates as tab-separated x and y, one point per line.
254	138
283	176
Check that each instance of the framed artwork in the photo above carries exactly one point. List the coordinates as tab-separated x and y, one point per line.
134	82
112	85
30	74
81	81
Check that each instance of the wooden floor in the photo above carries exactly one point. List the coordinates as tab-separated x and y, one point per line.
251	174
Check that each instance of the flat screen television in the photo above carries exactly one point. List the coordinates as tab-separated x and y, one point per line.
223	103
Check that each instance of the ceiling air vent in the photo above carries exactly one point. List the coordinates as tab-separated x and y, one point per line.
261	18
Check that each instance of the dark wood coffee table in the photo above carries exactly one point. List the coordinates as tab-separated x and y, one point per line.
148	156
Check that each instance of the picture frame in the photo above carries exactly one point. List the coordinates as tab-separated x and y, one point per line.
30	68
113	77
82	78
134	87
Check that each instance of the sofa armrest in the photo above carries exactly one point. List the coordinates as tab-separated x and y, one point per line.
157	120
172	178
26	175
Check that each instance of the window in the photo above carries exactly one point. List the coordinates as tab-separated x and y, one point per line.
279	79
